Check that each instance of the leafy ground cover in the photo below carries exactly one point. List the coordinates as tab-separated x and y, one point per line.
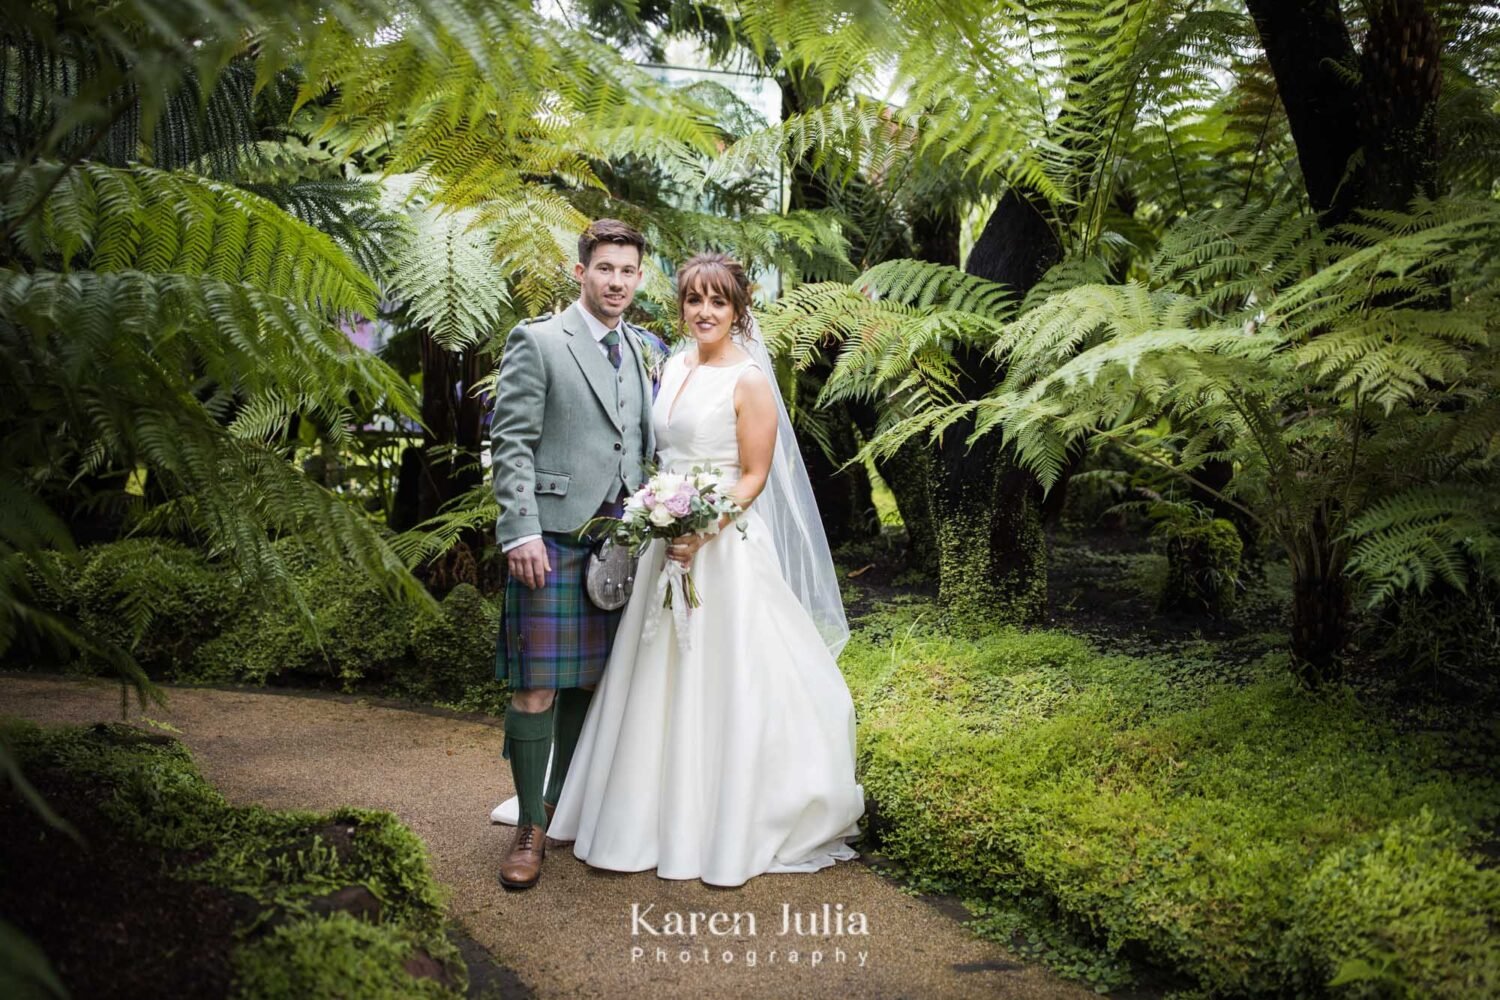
1180	810
168	890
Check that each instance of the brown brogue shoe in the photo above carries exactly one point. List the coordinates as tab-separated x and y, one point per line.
523	866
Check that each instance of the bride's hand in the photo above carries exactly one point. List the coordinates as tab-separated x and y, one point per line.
684	548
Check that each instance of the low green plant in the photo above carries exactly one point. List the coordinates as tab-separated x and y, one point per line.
338	956
1446	638
1204	820
1203	562
356	632
151	791
454	650
189	618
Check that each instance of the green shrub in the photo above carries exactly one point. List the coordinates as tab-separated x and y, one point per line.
453	651
188	619
337	956
1403	910
1443	638
1203	565
357	631
155	597
1162	812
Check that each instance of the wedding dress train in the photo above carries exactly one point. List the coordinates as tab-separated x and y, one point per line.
731	754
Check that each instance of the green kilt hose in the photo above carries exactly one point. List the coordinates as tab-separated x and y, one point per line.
556	637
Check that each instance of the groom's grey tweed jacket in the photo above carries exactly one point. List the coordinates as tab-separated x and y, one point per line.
569	432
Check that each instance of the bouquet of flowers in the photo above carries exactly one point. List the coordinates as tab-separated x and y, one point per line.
669	506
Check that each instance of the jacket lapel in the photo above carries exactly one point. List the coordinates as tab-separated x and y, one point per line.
597	370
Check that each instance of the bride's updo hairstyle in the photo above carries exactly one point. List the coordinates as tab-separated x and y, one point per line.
710	272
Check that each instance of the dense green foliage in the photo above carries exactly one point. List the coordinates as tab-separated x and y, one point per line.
1213	819
1203	565
1329	375
336	956
200	197
188	619
153	793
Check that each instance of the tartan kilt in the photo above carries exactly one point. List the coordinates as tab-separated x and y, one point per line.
554	637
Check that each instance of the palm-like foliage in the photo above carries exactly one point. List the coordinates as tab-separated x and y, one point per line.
1132	123
1360	420
185	323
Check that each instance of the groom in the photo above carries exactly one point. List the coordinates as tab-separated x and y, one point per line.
571	429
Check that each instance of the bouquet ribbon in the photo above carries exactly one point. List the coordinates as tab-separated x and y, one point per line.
672	586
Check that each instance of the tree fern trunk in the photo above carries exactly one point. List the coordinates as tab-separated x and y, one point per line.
910	473
845	502
1401	80
1383	99
1384	102
1320	626
449	459
1312	58
992	551
991	548
1320	602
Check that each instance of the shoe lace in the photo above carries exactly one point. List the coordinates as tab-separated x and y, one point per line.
525	838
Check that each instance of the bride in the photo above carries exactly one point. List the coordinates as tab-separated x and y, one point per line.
725	750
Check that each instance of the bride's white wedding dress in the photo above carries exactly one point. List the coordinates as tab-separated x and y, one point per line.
736	758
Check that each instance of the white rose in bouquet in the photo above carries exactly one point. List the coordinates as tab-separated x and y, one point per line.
660	516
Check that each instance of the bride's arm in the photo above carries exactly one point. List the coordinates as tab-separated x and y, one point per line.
755	426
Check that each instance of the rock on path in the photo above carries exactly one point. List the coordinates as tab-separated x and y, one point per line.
570	935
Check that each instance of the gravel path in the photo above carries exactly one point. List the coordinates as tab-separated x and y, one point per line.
571	935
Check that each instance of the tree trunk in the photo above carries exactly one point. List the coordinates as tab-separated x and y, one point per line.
992	551
935	236
910	473
1401	80
845	503
448	462
1312	59
1383	100
1320	626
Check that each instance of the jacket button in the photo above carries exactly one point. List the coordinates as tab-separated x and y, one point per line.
551	486
523	510
617	446
518	463
520	489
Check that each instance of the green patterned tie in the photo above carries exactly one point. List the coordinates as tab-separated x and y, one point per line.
612	342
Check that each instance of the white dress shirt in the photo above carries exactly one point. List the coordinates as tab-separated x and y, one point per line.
600	331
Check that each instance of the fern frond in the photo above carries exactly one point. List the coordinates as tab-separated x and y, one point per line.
119	219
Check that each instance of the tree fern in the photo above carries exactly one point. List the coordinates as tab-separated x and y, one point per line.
1331	391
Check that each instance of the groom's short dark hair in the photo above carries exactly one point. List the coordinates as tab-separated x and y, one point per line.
609	231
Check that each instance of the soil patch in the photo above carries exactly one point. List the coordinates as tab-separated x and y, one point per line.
106	913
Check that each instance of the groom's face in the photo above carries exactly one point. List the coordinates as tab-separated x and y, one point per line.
609	280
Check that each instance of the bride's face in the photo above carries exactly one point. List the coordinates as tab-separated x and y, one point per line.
708	315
